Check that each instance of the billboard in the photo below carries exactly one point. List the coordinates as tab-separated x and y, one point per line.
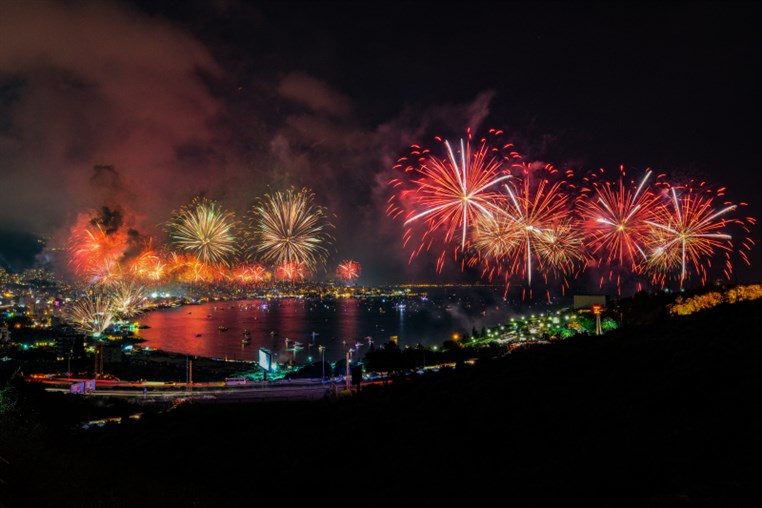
587	301
86	386
266	359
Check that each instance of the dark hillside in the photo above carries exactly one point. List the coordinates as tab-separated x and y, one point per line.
659	415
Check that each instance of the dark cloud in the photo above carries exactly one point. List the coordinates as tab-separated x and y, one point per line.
97	84
313	93
110	220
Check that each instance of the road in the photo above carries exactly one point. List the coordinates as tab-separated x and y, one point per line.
205	392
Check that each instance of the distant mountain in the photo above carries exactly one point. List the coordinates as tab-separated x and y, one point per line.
18	250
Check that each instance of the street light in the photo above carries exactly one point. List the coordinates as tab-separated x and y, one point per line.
346	377
321	348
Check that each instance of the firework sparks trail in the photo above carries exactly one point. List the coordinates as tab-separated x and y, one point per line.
288	227
448	195
204	229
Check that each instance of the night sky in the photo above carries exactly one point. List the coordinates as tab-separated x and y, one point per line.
233	99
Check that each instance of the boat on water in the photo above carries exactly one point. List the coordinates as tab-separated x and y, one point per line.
223	328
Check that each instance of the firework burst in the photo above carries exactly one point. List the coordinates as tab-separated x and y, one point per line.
250	274
616	219
189	269
539	231
561	249
443	197
148	266
128	299
91	315
202	228
348	271
95	253
687	232
288	228
291	271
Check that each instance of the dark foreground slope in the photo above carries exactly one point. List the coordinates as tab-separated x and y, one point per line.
660	416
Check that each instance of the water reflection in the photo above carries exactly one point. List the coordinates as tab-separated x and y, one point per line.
293	328
216	329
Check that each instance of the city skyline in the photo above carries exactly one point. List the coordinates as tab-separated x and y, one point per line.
137	107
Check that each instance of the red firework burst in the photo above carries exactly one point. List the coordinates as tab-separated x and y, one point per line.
688	232
291	271
616	216
441	197
95	253
534	230
348	271
250	274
